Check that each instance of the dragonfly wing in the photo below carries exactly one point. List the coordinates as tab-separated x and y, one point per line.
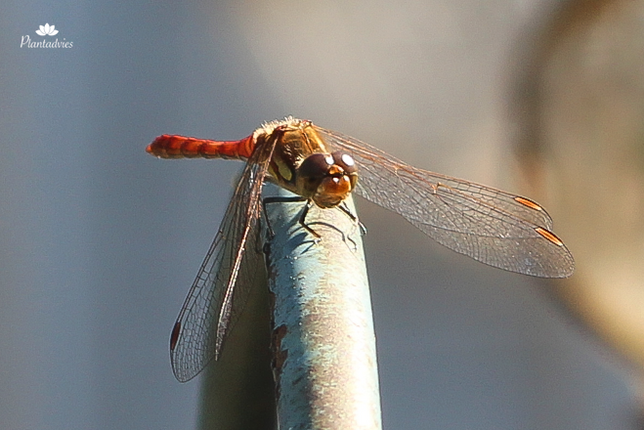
492	226
230	268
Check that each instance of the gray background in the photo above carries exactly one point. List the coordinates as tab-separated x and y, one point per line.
100	241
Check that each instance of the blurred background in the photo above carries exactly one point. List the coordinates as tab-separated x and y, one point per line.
99	242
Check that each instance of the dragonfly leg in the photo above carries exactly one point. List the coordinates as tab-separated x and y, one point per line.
345	209
302	219
303	223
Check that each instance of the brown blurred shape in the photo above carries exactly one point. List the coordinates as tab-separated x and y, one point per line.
580	112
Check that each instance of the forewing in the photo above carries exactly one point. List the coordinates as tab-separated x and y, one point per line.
223	282
492	226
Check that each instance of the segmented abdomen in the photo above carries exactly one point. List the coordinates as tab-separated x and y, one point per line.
172	146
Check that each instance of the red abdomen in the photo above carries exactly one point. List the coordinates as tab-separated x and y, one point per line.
171	146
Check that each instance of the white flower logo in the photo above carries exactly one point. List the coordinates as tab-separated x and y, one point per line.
47	30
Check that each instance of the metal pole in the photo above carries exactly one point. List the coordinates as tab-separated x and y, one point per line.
324	356
237	392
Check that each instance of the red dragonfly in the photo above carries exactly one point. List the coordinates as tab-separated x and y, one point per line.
322	166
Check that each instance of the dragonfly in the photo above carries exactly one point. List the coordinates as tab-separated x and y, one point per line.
323	168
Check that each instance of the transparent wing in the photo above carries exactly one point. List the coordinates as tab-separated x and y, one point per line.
222	285
492	226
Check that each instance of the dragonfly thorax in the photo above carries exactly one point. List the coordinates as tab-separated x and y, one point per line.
301	162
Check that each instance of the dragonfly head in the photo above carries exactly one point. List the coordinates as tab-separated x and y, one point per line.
327	179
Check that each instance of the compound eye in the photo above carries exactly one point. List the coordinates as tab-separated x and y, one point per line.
345	161
316	166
